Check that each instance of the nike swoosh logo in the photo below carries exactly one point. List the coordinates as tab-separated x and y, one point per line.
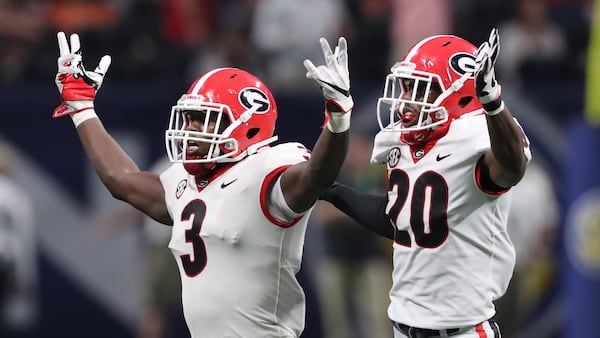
225	185
341	90
439	157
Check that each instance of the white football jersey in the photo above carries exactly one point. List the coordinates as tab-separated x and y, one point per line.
237	262
452	253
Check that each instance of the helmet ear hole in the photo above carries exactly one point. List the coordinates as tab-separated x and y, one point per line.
252	132
464	101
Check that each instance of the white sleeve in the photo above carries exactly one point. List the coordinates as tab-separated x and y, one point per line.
278	207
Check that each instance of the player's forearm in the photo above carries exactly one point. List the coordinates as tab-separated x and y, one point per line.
327	158
506	140
368	210
108	158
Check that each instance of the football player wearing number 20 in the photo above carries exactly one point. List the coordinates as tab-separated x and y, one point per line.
238	206
452	150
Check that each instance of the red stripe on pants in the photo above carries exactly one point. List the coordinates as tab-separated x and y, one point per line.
480	330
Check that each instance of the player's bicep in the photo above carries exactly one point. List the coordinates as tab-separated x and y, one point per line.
300	194
145	192
508	156
485	169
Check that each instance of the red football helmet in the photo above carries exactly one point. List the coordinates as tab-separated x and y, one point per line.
225	96
443	63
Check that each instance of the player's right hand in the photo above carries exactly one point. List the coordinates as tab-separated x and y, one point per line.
333	77
77	86
488	90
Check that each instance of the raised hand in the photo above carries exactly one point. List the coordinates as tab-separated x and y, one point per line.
488	90
77	86
333	77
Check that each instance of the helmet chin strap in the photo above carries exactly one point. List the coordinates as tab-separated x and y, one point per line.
456	85
252	149
242	119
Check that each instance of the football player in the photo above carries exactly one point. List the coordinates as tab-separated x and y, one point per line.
238	206
453	151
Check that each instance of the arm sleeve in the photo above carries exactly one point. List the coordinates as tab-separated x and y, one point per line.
368	210
278	207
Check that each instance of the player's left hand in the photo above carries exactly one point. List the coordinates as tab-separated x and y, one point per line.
333	77
488	90
77	86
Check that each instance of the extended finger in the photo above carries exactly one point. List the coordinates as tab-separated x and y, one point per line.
311	70
494	45
482	59
75	45
326	50
63	46
343	45
342	50
341	69
104	64
493	36
482	51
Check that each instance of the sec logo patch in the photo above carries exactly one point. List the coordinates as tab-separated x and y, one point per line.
393	157
180	188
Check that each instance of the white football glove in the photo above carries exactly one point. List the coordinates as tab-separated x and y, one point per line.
334	79
77	86
488	90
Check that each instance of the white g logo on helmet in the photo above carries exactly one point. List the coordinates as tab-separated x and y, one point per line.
462	63
253	98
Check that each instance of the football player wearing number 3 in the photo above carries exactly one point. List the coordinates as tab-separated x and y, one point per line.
452	150
238	206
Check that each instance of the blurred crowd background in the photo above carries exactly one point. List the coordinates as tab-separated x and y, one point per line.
158	40
76	263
